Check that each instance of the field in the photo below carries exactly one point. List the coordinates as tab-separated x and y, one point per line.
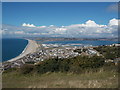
101	79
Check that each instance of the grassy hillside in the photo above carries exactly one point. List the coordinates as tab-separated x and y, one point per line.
77	72
100	79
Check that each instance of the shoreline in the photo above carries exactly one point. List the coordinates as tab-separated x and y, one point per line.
30	48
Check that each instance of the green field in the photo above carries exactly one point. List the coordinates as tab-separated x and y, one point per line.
101	79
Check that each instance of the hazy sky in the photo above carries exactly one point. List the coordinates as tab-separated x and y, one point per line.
57	13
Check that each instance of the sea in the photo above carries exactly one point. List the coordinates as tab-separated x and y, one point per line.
12	47
82	42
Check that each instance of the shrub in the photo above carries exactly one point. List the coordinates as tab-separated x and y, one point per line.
10	70
80	63
64	65
51	65
76	64
109	52
26	69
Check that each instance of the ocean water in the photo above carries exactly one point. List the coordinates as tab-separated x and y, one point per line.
12	48
82	43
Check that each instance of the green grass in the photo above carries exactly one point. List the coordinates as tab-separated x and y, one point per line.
103	79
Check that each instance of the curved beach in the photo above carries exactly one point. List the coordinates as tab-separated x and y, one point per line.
30	48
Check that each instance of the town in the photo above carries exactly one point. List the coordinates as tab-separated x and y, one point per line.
47	51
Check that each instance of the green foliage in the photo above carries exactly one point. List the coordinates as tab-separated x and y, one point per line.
64	65
82	63
10	70
75	65
51	65
109	52
26	69
78	50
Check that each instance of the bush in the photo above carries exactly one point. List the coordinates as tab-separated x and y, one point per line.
109	52
10	70
51	65
80	64
78	50
76	64
64	65
26	69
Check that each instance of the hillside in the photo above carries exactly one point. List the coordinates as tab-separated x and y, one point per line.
77	72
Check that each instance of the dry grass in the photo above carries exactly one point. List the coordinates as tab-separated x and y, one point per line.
61	80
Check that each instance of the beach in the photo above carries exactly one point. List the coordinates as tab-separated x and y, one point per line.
30	48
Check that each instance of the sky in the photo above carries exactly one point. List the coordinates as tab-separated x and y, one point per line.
56	13
58	18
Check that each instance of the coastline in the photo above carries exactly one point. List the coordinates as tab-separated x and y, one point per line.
30	48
